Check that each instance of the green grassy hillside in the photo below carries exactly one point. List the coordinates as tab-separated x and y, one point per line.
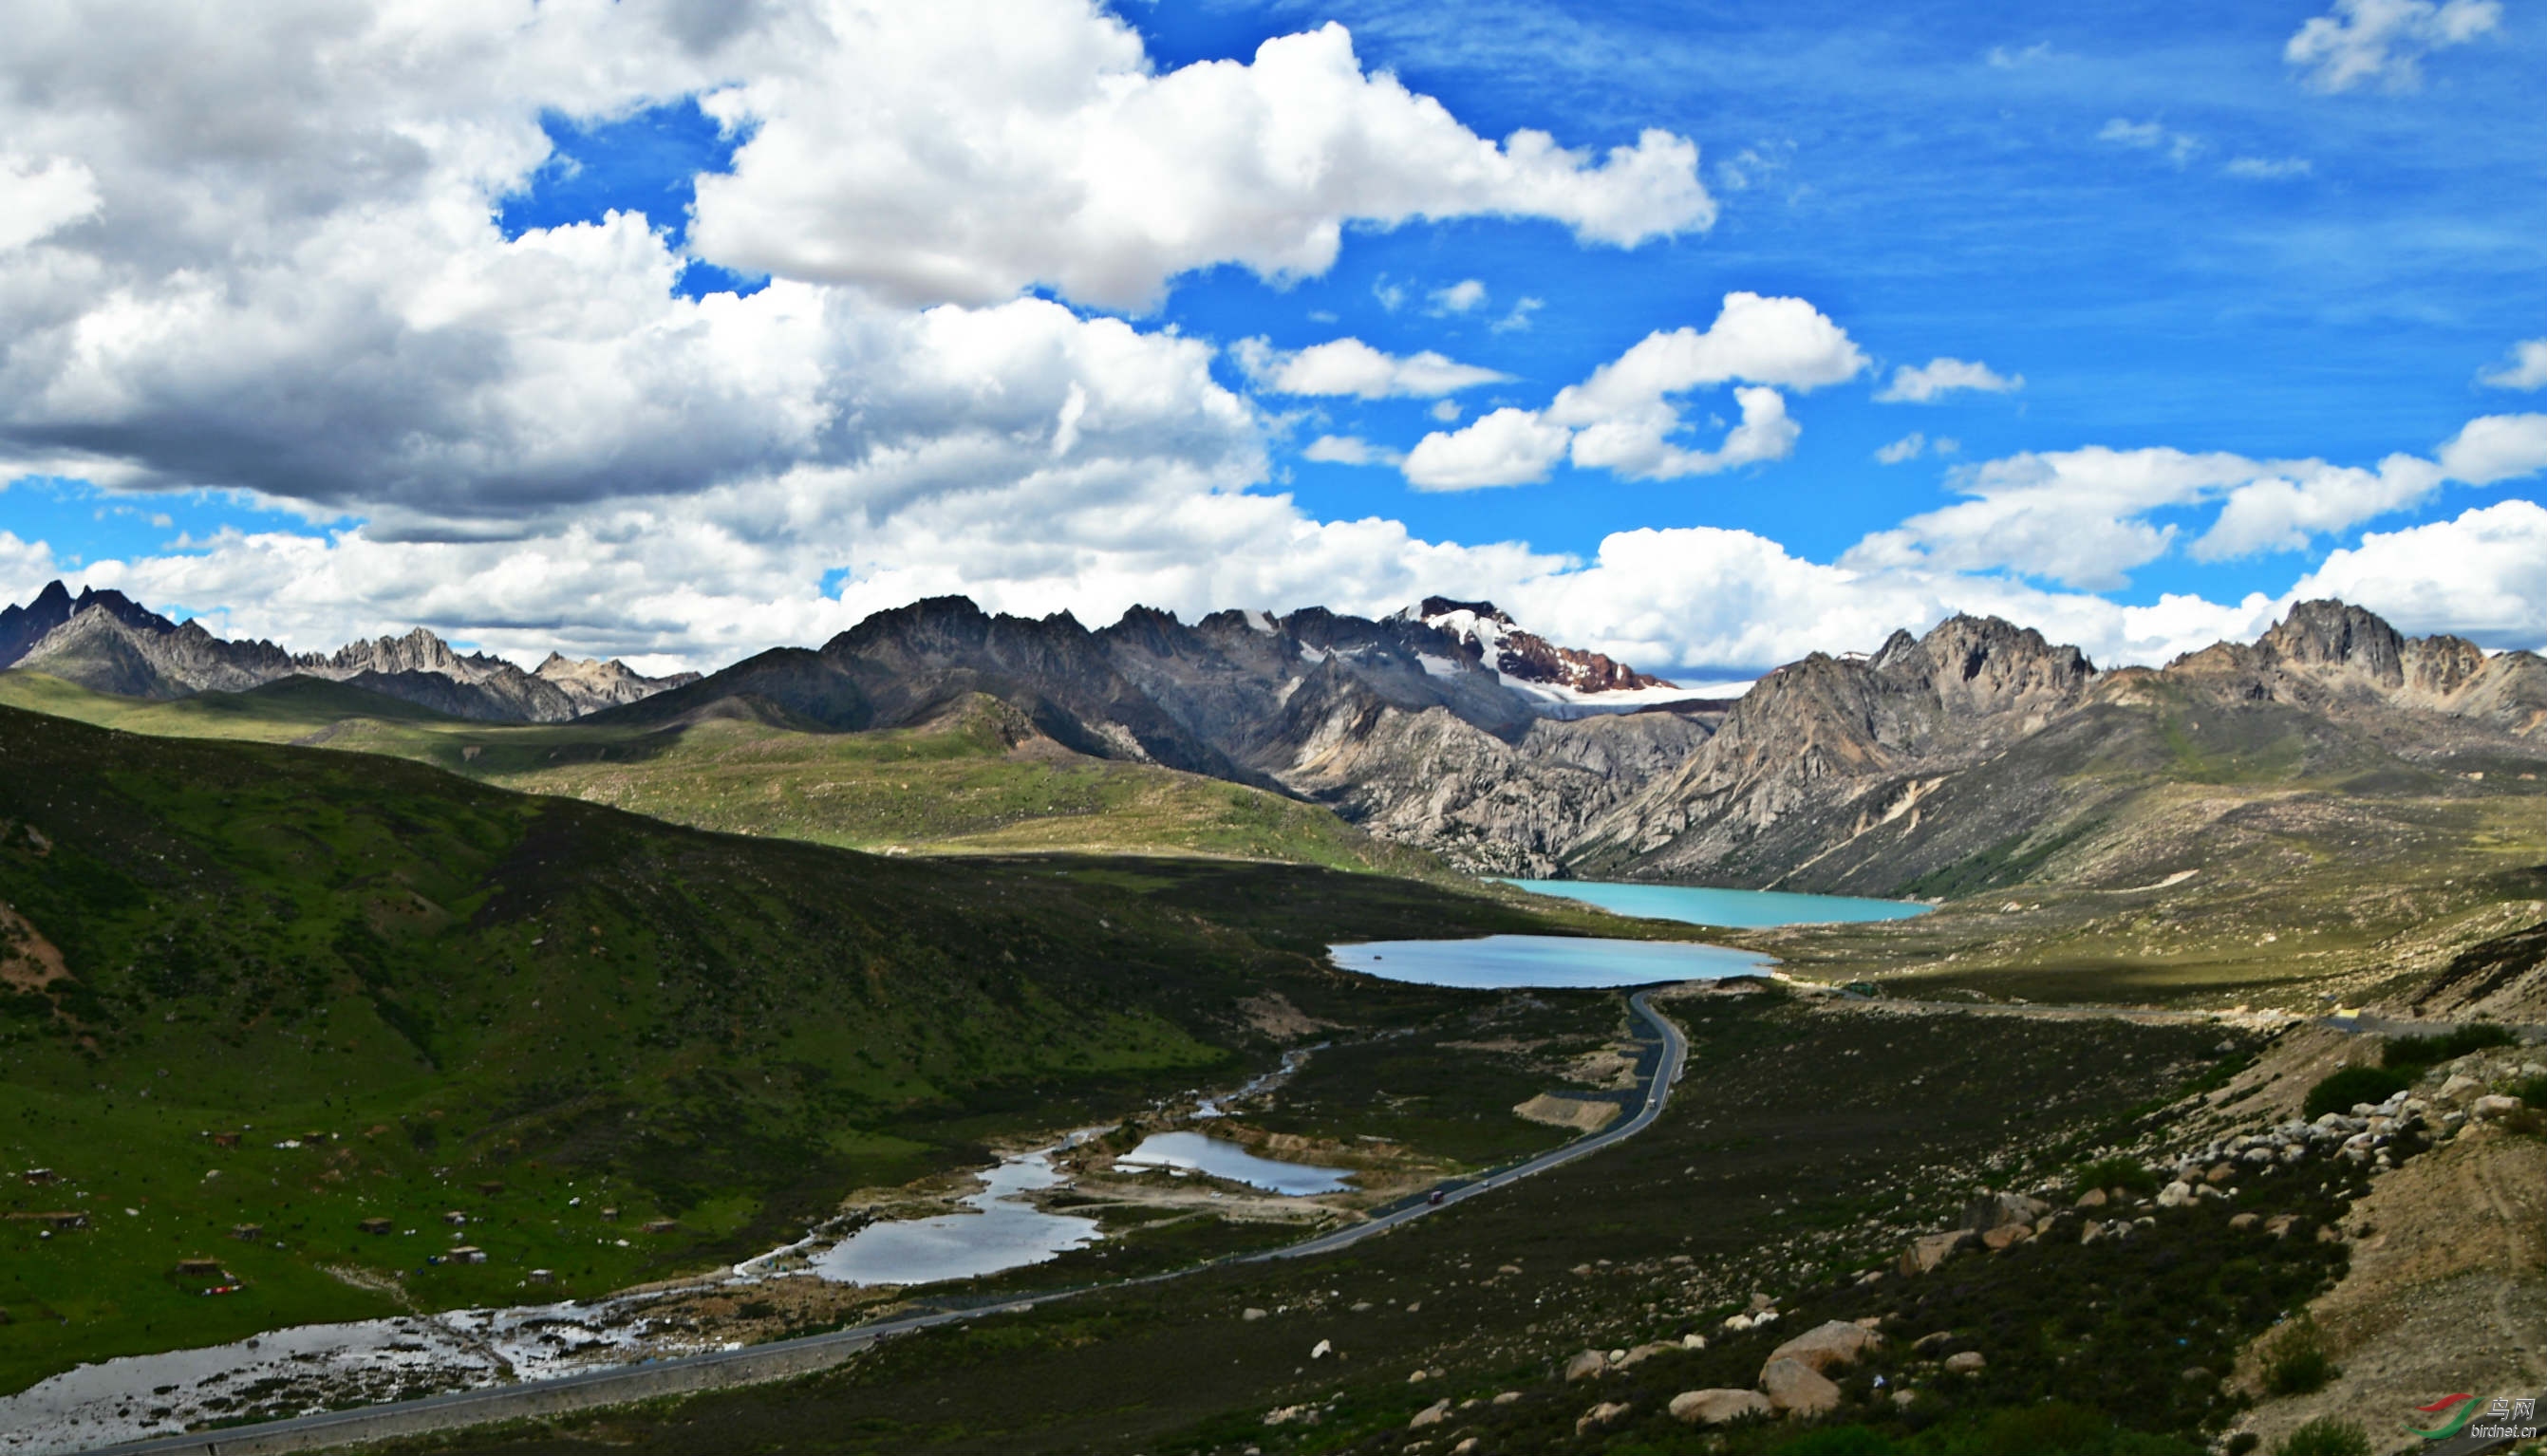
256	984
979	780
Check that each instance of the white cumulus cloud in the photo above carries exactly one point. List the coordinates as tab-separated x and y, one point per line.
965	149
2525	369
1459	298
2481	574
1349	450
1508	447
1909	447
1941	377
1625	417
2497	446
1351	367
2383	41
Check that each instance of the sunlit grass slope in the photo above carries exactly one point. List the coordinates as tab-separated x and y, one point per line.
979	779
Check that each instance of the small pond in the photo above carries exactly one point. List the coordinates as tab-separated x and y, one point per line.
1222	1158
1003	1231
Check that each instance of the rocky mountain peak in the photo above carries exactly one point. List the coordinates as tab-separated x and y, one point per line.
2331	634
1982	667
1443	606
1502	645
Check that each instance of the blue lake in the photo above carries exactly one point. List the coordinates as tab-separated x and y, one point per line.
1499	962
1739	910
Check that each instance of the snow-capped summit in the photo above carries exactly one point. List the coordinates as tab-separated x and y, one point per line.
1527	659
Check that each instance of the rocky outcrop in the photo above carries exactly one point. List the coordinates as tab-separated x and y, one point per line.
1831	1345
2339	659
592	685
1824	734
1798	1388
105	650
1719	1407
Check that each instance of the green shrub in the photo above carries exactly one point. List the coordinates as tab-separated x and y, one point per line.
2244	1443
2295	1359
2324	1436
2414	1053
2117	1172
2053	1429
2532	1091
1845	1440
2338	1091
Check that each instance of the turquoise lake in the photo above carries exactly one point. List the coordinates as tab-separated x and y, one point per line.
1739	910
1509	962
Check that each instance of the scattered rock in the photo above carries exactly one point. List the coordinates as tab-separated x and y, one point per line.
1717	1406
2092	1198
2246	1221
1645	1352
1322	1349
1589	1365
1604	1413
1933	1344
1693	1341
1504	1398
2222	1172
2281	1225
2495	1105
1464	1447
2175	1195
1994	1210
1834	1345
1432	1415
1965	1362
1251	1314
1927	1253
1418	1378
1798	1388
2006	1236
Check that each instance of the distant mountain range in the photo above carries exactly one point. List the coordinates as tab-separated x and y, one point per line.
106	641
1940	763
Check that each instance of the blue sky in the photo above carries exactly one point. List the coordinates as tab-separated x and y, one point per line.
2183	231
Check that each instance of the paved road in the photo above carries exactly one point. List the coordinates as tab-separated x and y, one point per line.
1662	1057
1674	1053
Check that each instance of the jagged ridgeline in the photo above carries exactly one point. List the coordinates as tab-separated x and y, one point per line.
105	642
1976	756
